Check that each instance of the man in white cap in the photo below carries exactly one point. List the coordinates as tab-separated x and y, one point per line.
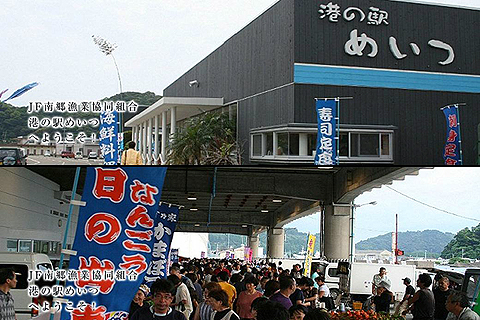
138	299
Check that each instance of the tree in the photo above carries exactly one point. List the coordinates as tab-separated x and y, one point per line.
14	120
466	244
207	139
144	99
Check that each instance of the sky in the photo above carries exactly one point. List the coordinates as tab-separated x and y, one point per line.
450	189
50	42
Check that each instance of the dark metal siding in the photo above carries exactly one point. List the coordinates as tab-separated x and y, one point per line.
261	56
320	41
272	108
420	137
421	133
257	58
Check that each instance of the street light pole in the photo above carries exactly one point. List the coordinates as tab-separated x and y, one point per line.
352	245
107	48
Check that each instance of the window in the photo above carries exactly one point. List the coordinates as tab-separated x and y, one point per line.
25	246
40	246
12	245
332	272
293	144
343	149
269	142
385	145
472	285
311	144
282	144
44	266
365	145
298	144
257	145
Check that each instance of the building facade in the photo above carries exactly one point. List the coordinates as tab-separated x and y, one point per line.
34	213
397	63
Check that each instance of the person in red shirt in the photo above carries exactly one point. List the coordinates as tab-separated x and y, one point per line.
245	298
221	267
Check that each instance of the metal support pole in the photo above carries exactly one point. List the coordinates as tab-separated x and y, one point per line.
70	209
164	137
396	238
351	234
478	144
156	136
69	218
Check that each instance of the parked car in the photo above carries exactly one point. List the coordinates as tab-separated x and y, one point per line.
47	153
92	155
13	156
78	155
67	154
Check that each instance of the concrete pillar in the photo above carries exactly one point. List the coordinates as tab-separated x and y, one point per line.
253	242
134	134
173	121
140	138
149	137
137	137
164	136
303	144
275	243
337	231
144	139
156	136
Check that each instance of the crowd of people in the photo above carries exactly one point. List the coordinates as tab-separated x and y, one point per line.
224	290
441	303
228	290
207	289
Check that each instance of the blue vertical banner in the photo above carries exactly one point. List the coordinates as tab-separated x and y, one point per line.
114	241
174	255
108	137
165	223
327	137
120	147
452	152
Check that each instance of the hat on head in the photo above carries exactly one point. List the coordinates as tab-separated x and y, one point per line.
407	280
145	289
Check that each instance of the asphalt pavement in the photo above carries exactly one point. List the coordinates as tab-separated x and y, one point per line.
46	161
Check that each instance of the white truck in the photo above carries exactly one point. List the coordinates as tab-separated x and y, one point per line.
361	276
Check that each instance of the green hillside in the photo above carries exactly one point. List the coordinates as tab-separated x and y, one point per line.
411	242
466	243
13	120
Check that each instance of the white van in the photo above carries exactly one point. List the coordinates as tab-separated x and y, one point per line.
22	263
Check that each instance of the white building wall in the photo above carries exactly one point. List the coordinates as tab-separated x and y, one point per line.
190	245
26	201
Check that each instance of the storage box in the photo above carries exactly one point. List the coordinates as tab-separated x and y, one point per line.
357	305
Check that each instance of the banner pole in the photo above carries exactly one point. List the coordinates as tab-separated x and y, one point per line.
460	134
339	98
67	226
337	138
70	209
305	271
